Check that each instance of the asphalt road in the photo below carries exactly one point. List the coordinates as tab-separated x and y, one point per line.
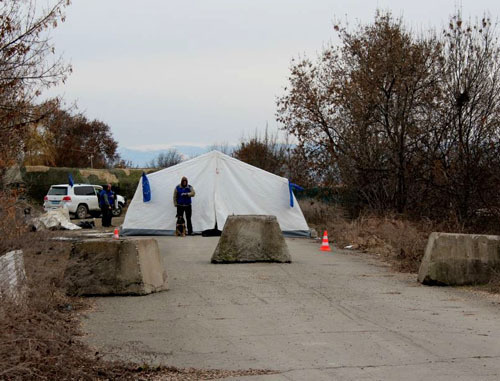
326	316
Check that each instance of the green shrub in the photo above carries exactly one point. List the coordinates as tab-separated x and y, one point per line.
39	179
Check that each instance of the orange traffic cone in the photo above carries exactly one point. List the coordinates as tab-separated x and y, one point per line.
115	234
325	246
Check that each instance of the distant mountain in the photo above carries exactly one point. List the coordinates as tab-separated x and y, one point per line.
141	157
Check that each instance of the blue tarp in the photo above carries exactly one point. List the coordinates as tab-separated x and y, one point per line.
146	189
291	187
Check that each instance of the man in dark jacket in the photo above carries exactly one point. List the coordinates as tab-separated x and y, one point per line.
182	201
106	205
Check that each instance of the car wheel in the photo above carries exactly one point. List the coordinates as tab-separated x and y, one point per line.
81	211
117	211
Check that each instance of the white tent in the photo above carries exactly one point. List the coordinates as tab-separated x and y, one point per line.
224	186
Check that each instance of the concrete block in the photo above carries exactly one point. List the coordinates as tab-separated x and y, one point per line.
12	275
459	259
251	239
115	267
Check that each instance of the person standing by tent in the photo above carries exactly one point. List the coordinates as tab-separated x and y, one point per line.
106	203
182	201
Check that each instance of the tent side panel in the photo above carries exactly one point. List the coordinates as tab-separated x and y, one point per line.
160	213
243	189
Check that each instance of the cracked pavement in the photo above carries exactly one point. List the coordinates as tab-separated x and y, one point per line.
326	316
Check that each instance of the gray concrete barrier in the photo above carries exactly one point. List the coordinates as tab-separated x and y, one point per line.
251	239
459	259
12	275
115	267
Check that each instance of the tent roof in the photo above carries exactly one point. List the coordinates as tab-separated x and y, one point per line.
211	156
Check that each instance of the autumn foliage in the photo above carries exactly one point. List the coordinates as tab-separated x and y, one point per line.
28	65
62	138
46	134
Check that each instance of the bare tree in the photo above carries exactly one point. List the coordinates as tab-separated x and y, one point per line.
410	123
223	147
466	141
360	111
166	159
265	152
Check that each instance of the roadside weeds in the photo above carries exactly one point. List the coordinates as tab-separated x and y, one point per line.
40	336
396	239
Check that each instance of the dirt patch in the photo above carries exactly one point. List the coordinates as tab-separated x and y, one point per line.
188	374
101	174
494	284
37	168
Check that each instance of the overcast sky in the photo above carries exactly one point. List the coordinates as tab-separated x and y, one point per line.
197	72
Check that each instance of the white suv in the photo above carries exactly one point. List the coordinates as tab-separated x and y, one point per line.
79	199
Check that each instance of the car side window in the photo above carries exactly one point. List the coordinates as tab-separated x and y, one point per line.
84	191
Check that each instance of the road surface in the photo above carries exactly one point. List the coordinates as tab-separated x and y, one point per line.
326	316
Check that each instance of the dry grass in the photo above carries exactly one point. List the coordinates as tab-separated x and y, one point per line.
39	337
12	227
397	239
494	284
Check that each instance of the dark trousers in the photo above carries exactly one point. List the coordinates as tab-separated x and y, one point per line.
106	216
181	209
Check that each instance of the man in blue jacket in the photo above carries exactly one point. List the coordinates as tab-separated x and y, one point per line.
182	201
106	202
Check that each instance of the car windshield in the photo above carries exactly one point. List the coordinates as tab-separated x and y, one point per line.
58	191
